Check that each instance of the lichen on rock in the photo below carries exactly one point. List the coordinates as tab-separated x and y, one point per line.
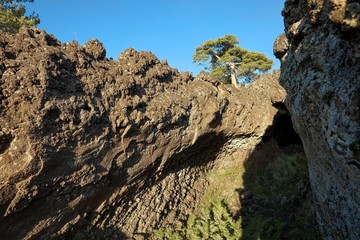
320	72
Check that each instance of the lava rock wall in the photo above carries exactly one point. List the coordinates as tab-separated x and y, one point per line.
320	71
95	148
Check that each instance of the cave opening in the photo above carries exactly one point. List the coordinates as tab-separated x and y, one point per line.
282	129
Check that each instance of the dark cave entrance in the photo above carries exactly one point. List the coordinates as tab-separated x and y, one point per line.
282	130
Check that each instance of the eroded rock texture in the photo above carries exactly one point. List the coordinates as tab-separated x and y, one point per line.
320	56
93	148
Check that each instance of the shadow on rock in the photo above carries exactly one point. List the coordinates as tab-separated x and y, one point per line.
276	200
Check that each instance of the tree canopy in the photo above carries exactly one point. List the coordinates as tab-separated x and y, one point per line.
227	61
12	15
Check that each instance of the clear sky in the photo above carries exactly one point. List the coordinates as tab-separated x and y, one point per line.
171	29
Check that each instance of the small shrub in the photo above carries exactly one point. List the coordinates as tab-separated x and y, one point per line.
214	222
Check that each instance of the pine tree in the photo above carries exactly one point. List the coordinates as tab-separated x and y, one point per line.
12	15
229	62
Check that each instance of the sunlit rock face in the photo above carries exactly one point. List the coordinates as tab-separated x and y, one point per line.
320	69
92	148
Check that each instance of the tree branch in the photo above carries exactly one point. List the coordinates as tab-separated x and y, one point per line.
212	53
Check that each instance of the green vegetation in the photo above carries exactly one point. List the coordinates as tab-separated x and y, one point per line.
281	205
214	222
264	227
224	184
229	62
266	198
12	15
280	177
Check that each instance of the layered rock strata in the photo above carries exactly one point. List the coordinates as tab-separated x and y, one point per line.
93	148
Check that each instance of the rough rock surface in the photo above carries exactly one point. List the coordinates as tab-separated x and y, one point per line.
320	71
93	148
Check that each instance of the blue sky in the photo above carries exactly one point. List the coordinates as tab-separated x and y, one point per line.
171	29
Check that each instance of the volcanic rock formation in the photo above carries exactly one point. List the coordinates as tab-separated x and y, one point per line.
93	148
320	71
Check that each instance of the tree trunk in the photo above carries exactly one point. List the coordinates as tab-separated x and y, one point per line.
233	74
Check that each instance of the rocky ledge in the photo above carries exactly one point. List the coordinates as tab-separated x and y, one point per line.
95	147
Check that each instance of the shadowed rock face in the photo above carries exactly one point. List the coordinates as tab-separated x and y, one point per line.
320	70
95	148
